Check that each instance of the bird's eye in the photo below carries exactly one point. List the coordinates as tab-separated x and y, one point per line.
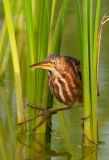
54	62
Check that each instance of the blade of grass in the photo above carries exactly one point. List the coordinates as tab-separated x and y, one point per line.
10	27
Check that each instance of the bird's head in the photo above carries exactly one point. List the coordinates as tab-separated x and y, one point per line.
51	63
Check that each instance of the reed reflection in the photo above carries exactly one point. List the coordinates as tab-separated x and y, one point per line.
38	148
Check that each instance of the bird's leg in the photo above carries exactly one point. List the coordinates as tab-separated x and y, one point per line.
45	113
48	113
30	119
39	114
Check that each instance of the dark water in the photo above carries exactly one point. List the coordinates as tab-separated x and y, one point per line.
67	137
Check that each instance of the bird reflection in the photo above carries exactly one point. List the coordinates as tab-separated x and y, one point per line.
41	151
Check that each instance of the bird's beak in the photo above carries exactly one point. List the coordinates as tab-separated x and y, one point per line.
44	65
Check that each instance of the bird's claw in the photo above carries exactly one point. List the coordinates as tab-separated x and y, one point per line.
84	118
84	134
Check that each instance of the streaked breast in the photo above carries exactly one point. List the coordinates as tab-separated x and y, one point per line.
65	90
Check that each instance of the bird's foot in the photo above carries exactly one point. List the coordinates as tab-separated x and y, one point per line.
43	112
84	134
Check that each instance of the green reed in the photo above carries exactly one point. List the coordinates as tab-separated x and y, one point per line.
39	21
4	32
3	142
95	69
44	11
11	33
3	40
89	60
57	36
31	57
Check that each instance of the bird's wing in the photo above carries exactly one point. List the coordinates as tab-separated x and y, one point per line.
76	65
78	68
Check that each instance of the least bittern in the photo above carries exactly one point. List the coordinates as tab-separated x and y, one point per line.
65	82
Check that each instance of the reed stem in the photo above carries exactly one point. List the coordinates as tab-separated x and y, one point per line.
31	58
4	61
3	33
94	68
85	73
10	27
57	37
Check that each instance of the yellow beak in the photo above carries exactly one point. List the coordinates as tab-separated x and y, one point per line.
44	65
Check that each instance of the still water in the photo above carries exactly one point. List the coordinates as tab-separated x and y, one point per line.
67	137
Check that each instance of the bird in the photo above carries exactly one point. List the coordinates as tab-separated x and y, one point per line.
65	83
64	76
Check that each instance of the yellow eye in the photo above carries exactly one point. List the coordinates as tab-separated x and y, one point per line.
54	63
